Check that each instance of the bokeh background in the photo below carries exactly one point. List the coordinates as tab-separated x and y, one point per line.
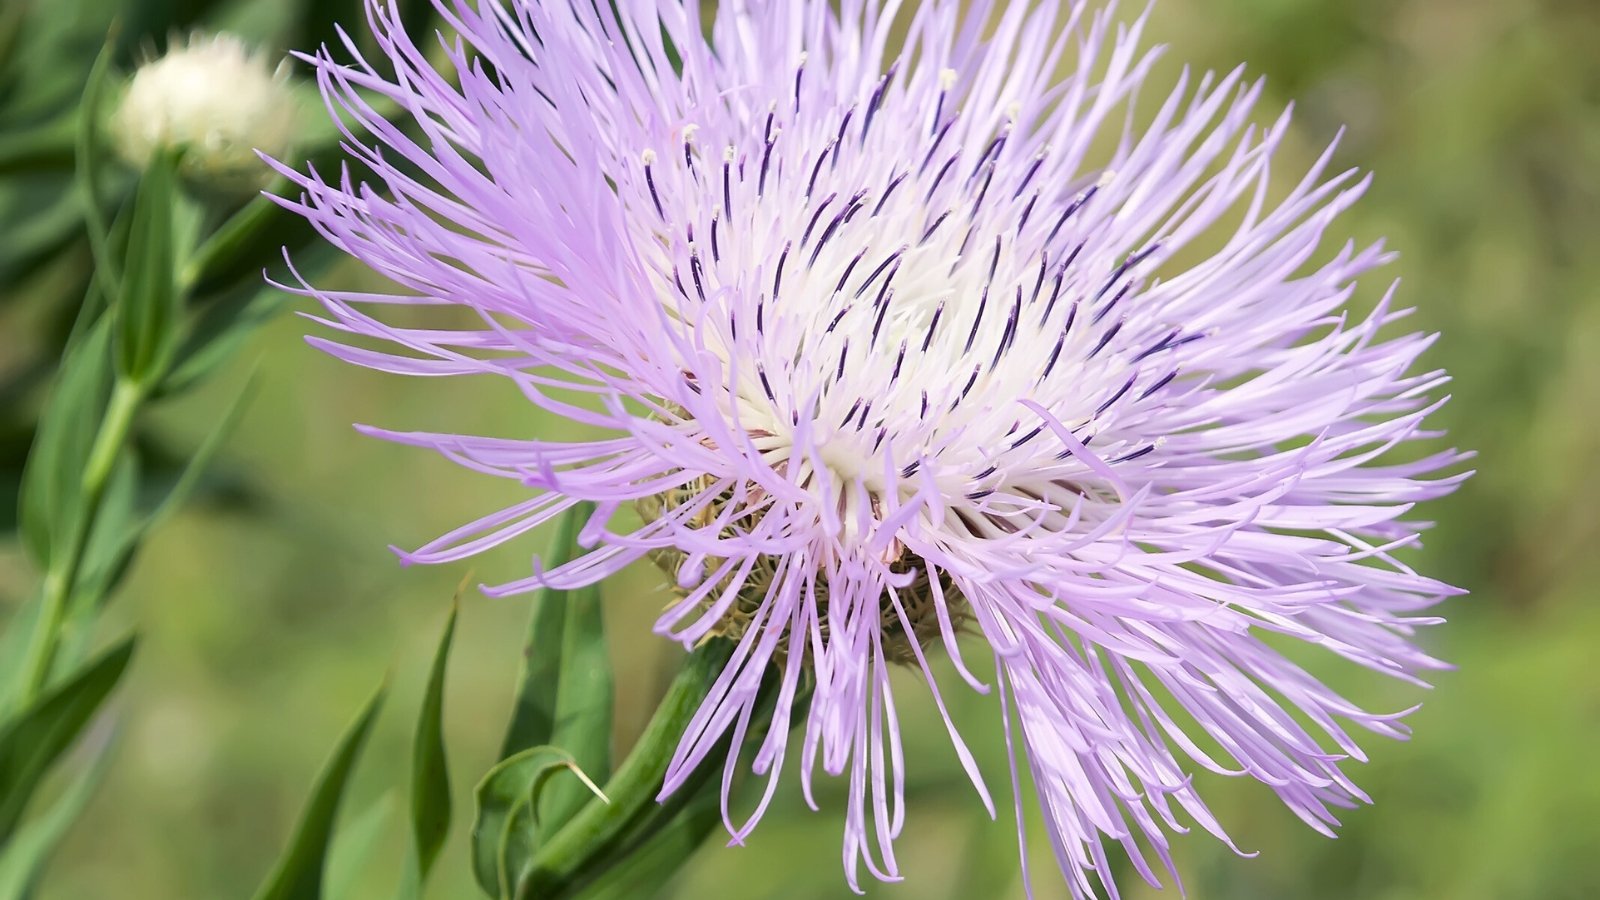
270	610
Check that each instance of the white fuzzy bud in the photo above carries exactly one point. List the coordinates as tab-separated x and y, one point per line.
218	102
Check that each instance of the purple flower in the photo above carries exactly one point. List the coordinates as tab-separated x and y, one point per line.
895	338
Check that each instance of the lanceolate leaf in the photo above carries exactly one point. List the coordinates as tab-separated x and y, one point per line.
127	515
149	308
23	859
53	477
31	742
249	241
216	333
503	834
91	161
354	846
533	717
643	868
430	778
666	834
298	874
584	700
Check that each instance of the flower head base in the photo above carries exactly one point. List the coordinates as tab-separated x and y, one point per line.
929	610
885	343
215	100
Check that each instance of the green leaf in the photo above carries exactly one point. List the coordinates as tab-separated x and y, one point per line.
503	826
298	874
150	306
641	870
23	860
91	166
430	777
198	463
46	147
31	742
567	857
11	22
216	333
245	244
354	846
534	713
14	648
667	833
106	553
132	507
42	221
584	700
52	480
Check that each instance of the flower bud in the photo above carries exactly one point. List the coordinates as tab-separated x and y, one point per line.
216	101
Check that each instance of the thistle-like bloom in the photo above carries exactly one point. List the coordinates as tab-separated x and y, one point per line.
896	326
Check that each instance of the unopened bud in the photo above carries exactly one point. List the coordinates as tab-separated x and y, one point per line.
216	101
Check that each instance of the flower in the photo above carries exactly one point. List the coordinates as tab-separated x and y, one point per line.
888	344
215	100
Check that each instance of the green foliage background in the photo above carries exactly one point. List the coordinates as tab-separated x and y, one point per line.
268	612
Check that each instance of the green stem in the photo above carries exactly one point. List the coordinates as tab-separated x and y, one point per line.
599	827
62	573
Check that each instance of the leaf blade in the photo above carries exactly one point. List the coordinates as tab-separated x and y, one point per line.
534	710
503	833
52	478
430	776
31	742
355	844
150	306
298	872
23	859
584	702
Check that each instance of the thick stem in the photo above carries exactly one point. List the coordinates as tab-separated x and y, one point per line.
65	561
599	828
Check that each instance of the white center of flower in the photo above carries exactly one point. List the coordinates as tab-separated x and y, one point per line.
897	278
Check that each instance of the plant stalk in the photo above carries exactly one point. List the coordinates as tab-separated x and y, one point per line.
599	828
62	573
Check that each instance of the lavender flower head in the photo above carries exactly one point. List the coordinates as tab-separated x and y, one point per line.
898	337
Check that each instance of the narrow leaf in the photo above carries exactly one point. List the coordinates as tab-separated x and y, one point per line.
217	332
584	700
14	648
42	147
23	860
91	162
503	833
298	874
430	777
203	455
130	510
245	244
32	742
149	308
641	870
533	716
354	846
52	479
664	837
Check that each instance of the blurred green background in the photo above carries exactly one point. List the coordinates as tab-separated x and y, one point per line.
270	612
